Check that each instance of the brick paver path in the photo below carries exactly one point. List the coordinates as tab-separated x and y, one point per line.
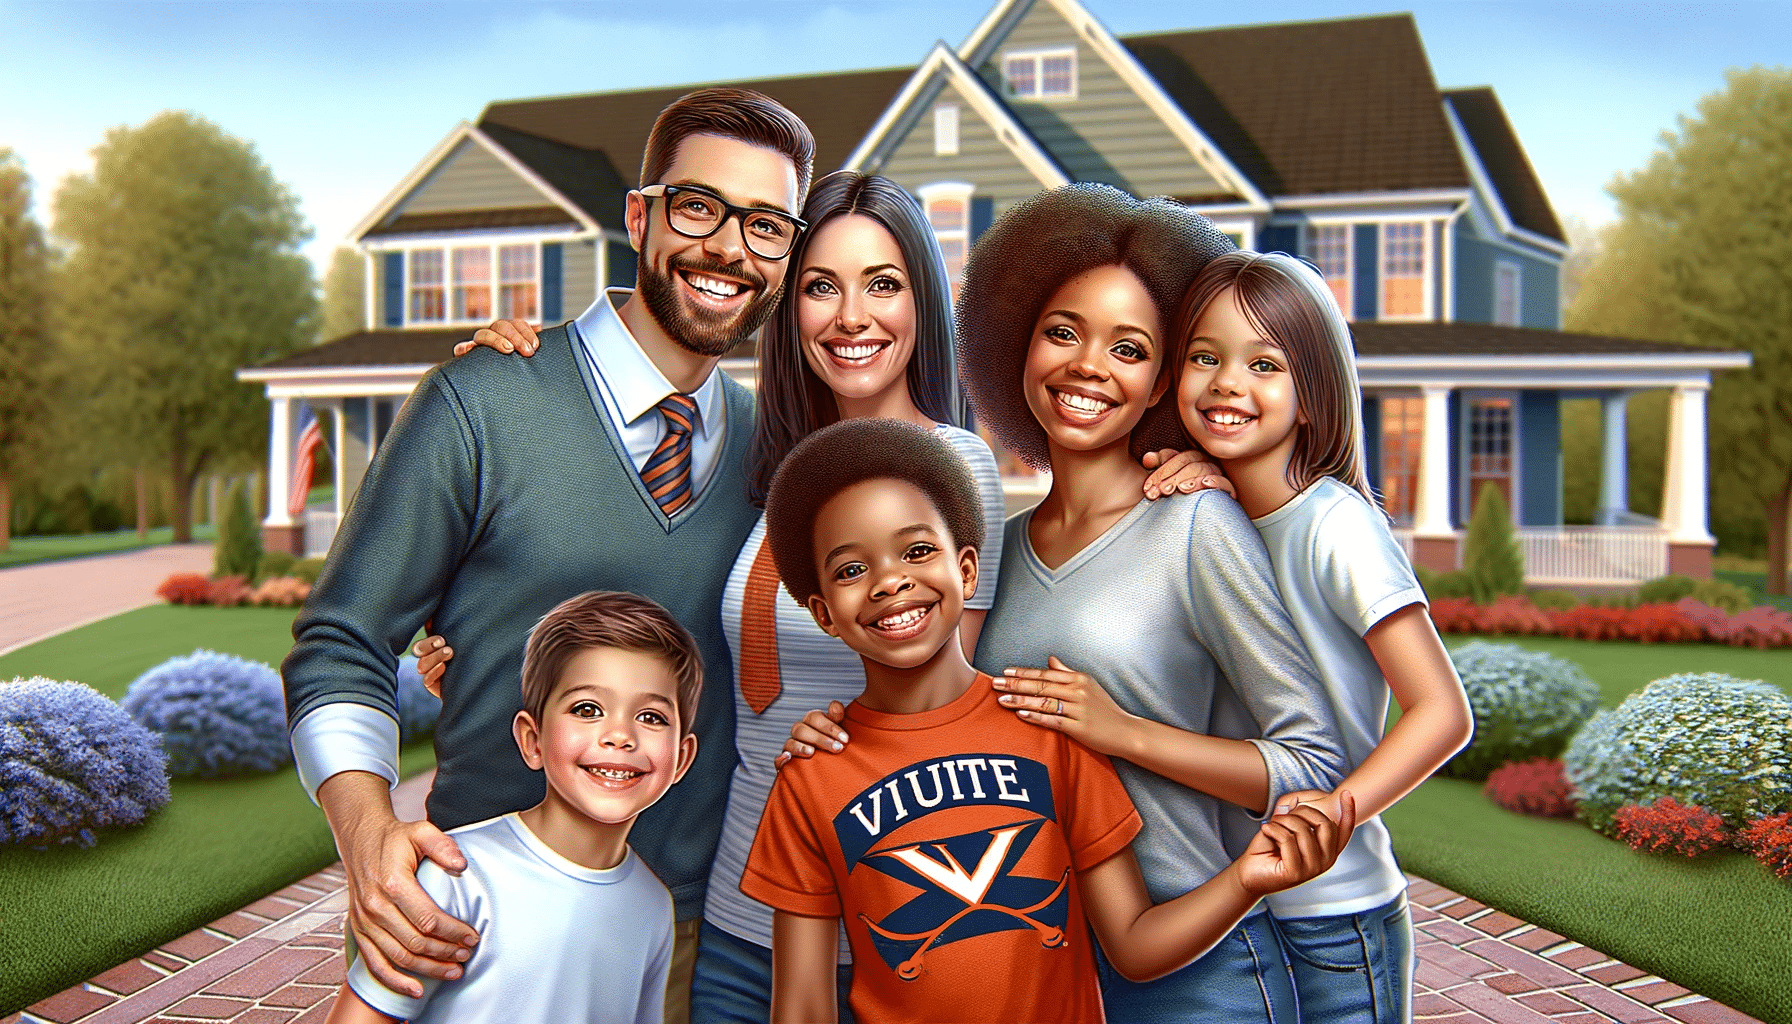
46	598
279	960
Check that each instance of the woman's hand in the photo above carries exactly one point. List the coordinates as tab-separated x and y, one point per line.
1326	802
818	730
1295	847
1069	701
504	335
433	655
1174	472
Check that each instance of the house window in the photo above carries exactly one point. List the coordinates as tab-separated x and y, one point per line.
1041	74
426	285
1490	447
1505	294
1330	248
945	130
517	291
948	207
1403	270
1402	440
472	295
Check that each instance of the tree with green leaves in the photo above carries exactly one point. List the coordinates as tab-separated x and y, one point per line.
24	297
1491	558
1702	254
345	294
183	266
237	550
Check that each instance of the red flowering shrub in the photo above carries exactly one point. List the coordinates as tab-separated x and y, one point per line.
1510	615
184	588
1764	626
1589	622
1453	614
281	592
1659	624
1771	839
228	591
1667	825
1535	787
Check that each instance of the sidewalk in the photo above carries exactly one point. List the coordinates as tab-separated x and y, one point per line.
46	598
278	961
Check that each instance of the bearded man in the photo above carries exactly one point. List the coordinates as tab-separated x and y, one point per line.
612	460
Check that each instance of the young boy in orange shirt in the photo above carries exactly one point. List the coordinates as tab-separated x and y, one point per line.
967	853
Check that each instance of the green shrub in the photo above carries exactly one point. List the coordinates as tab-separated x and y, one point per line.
1554	600
274	564
238	547
1724	596
307	569
1526	704
1702	738
1614	601
1491	557
1666	589
1443	584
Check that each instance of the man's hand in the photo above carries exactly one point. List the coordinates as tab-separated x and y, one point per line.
397	927
818	730
504	335
1174	472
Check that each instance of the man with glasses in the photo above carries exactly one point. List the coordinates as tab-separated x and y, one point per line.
611	461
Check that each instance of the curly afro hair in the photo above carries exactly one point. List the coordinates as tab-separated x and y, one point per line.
1030	252
851	452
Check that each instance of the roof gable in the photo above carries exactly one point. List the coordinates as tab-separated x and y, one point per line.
1502	158
470	181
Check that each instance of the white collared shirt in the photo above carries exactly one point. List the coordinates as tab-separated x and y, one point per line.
630	387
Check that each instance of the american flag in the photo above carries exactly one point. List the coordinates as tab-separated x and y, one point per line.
304	460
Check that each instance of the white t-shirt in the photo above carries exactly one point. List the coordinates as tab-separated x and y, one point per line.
1340	572
557	941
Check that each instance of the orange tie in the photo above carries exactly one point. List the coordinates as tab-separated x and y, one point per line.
667	473
759	682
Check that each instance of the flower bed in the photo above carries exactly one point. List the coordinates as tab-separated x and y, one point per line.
1686	621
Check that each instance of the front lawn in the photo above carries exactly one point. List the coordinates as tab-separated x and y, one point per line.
70	913
1720	925
26	550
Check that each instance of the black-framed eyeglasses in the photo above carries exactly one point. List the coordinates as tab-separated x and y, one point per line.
698	213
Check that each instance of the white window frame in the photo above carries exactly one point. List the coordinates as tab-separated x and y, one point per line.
1309	244
1515	440
1427	261
446	247
1507	270
1405	517
1038	58
945	129
948	191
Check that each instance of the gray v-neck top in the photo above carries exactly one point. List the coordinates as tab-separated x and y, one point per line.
1175	612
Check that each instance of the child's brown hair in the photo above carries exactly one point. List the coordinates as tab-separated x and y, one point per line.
605	618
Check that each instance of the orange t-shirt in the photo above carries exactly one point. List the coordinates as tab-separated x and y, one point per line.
949	841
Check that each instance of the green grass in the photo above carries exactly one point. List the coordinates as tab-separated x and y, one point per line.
67	914
1720	925
26	550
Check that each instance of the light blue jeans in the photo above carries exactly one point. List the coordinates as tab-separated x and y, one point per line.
733	981
1243	980
1354	968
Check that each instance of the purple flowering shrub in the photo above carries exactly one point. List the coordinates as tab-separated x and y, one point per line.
71	761
418	709
217	714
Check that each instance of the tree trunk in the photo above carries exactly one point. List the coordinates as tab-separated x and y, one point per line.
181	511
5	513
1777	508
142	505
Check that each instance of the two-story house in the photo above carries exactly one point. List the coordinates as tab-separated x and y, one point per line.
1327	139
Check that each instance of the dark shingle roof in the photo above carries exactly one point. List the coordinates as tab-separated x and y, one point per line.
459	220
409	347
1501	154
1375	338
1313	107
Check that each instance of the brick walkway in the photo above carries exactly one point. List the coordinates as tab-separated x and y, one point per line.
46	598
278	961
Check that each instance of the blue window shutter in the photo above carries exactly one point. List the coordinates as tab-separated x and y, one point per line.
1279	238
1539	445
983	213
1458	458
550	282
1367	244
394	281
1372	441
621	259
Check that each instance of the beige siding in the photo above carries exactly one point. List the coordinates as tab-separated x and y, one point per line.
578	278
1107	133
982	160
377	300
471	178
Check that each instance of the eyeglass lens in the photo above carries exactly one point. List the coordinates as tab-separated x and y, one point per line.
699	214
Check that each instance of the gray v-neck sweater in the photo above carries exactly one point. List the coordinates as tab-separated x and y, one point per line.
501	491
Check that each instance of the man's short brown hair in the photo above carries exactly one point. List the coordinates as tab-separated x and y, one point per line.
740	114
605	618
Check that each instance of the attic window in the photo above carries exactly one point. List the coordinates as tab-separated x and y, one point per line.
945	130
1041	74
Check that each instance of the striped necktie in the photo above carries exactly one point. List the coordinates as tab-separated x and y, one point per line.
667	473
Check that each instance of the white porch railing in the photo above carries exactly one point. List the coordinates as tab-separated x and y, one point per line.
320	530
1571	555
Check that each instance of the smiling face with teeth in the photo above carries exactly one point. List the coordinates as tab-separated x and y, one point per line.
609	742
855	313
892	586
1092	367
1236	396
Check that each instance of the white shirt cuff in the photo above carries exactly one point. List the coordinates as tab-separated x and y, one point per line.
344	737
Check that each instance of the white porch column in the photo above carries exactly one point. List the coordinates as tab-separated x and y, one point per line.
1431	510
279	463
1614	483
336	458
1685	489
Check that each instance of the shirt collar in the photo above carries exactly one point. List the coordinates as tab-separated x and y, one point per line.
634	383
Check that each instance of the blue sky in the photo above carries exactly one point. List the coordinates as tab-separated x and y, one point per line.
343	99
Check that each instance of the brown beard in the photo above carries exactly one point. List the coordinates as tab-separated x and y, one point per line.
698	330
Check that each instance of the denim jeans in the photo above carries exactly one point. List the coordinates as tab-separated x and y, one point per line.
1243	980
1353	967
733	981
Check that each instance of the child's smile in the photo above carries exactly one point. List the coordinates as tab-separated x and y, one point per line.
1236	395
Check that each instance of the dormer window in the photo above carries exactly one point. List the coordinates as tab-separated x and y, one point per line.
1041	74
945	130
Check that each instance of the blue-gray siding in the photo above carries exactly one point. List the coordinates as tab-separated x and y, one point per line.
1366	247
983	160
471	178
1539	289
1539	443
